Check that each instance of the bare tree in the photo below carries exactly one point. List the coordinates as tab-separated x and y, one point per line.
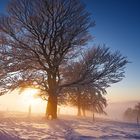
98	67
92	73
98	105
87	98
41	42
137	110
133	114
37	38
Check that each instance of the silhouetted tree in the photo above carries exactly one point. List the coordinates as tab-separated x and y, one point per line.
132	114
95	70
137	109
89	99
128	114
98	67
98	104
38	37
41	44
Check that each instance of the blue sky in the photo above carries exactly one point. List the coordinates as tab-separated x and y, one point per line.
3	3
117	26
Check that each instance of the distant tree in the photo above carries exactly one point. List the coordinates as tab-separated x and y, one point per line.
128	114
41	44
137	110
132	114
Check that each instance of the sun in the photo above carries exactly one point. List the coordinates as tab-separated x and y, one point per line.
28	96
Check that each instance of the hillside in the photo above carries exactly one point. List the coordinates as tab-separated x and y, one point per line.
17	127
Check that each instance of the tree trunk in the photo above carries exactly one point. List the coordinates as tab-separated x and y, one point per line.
51	110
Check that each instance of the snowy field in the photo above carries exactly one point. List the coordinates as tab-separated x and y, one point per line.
64	128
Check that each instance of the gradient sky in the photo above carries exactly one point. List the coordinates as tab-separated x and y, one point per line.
117	26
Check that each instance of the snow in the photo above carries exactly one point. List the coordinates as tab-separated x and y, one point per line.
19	127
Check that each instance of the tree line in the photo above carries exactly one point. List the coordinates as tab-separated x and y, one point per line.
133	114
43	44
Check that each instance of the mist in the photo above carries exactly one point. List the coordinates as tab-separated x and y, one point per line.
16	102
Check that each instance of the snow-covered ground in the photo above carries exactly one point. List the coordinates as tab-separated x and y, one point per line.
19	127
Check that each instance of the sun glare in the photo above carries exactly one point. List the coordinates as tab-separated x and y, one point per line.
28	96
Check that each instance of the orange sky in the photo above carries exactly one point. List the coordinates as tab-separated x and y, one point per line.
14	101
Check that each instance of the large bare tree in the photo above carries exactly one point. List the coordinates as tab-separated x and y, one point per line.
37	38
41	46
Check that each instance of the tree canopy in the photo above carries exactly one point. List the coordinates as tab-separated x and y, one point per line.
43	44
